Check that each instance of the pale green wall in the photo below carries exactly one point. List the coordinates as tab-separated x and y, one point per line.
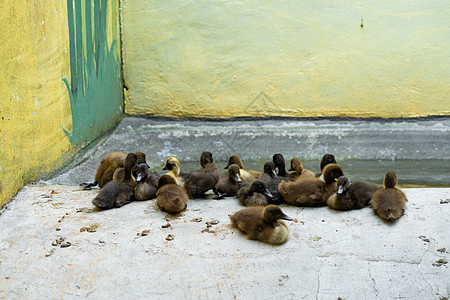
291	58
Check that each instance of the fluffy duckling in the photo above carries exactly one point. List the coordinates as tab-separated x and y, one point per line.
246	175
273	183
297	171
326	160
170	196
269	171
262	224
147	183
389	202
198	182
228	185
118	193
254	194
119	172
353	195
174	167
312	191
105	170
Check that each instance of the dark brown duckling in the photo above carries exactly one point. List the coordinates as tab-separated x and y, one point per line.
326	160
312	191
280	164
105	170
353	195
254	193
389	202
246	175
141	159
118	193
147	183
269	171
228	185
297	171
170	196
198	182
262	224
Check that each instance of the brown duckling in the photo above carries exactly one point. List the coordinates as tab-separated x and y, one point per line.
262	224
147	183
105	170
272	183
141	159
174	167
297	171
170	196
312	191
269	171
254	193
228	185
389	202
118	193
326	160
198	182
280	164
353	195
246	175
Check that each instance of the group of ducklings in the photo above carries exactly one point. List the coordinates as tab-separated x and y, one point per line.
124	178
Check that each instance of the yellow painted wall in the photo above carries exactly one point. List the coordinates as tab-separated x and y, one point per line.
34	103
287	58
47	115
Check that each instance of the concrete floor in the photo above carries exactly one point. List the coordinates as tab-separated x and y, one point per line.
127	252
53	244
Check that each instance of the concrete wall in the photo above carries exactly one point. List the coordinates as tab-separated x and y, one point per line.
60	85
288	58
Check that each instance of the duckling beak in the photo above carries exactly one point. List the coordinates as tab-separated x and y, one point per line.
139	177
285	217
238	179
340	190
274	174
268	194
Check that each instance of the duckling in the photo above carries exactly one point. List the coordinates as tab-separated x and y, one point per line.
198	182
118	173
174	167
246	175
269	171
297	171
105	170
228	185
353	195
147	183
326	160
280	163
254	194
312	191
118	193
170	196
262	224
389	202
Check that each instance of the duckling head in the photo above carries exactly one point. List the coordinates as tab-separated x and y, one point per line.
172	163
343	183
141	158
273	213
130	160
331	172
260	187
166	179
140	172
269	168
390	179
279	161
296	165
326	160
206	158
234	173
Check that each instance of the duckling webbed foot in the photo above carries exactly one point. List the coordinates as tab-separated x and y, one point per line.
88	185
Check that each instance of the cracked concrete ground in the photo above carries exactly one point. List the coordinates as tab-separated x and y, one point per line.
54	245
